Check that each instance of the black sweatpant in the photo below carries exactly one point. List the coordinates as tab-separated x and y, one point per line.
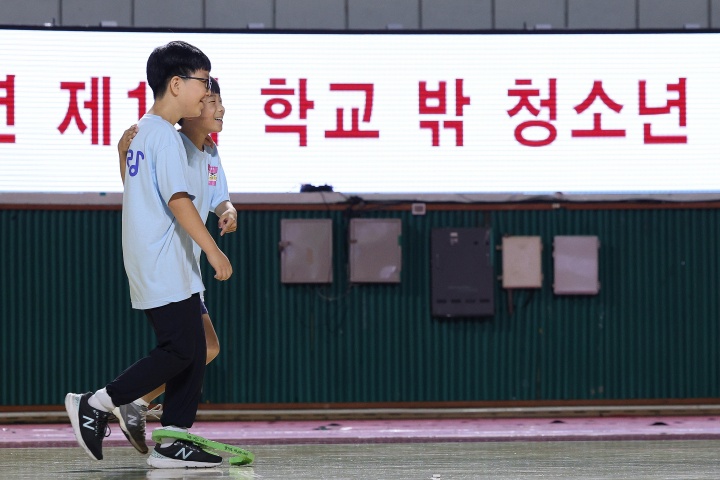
178	361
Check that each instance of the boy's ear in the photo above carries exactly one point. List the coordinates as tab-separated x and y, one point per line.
175	85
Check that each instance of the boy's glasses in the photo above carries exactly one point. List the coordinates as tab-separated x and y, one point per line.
206	81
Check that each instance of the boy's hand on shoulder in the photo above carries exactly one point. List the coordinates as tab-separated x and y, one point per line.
221	264
228	221
126	139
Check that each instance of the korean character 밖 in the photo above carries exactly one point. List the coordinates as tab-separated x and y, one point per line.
680	103
94	105
286	107
9	102
598	92
439	95
354	131
550	103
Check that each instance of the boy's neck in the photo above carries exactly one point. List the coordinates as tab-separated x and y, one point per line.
165	110
197	137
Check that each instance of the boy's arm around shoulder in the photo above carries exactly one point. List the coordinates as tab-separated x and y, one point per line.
184	211
124	146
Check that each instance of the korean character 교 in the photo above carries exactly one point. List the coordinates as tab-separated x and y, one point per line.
598	92
73	112
439	95
9	102
680	103
286	107
550	103
354	131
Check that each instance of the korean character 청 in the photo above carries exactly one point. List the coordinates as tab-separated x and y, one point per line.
550	103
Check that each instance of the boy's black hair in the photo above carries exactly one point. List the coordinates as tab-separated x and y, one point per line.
175	58
214	90
215	87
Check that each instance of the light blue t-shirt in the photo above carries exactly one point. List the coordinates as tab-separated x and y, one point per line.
206	179
158	253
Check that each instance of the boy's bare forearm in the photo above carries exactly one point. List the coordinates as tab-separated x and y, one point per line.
123	165
224	207
187	216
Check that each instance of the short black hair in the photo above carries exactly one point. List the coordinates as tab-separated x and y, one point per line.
174	58
215	87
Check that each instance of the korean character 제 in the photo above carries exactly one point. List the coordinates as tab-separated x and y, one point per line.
94	105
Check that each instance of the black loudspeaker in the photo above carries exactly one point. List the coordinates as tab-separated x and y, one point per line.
462	273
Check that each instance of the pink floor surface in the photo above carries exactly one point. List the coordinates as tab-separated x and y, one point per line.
401	431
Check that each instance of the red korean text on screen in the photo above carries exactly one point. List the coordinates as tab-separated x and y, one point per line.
597	93
679	103
434	102
94	105
354	132
280	90
550	103
8	101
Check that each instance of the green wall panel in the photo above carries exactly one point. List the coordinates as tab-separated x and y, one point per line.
651	332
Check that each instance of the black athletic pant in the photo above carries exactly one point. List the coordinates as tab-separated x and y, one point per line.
178	361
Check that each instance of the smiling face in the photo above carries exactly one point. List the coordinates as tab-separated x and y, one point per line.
210	119
196	92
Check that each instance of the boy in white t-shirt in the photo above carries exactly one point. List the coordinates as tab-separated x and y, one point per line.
212	195
160	225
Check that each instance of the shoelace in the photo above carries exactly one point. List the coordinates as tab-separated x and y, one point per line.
101	425
155	411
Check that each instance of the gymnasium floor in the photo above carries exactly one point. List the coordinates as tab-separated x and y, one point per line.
565	448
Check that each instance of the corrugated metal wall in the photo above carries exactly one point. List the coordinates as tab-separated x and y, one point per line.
651	332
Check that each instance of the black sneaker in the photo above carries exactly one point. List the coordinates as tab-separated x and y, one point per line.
182	454
89	424
131	418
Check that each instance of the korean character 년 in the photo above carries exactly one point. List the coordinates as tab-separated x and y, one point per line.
680	103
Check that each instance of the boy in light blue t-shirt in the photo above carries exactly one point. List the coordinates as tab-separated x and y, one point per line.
160	227
209	181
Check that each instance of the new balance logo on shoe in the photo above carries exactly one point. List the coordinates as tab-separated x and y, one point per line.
132	420
184	454
89	423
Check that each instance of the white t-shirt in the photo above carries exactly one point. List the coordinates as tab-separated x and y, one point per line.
158	253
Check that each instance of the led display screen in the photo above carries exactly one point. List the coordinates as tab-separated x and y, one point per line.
381	113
